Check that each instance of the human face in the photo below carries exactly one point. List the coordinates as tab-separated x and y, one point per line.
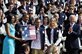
11	1
45	21
38	23
17	19
26	18
13	19
80	19
72	19
42	11
56	16
24	2
71	10
66	8
50	6
53	22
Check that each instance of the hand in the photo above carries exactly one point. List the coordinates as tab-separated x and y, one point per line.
19	39
49	47
24	11
24	41
45	49
70	30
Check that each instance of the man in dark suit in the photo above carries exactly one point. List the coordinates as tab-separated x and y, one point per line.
23	22
72	32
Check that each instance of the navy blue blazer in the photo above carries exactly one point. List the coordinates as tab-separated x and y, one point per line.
61	19
72	38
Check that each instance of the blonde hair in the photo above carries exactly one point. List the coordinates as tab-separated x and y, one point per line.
55	22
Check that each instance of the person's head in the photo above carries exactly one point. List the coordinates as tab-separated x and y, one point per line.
80	18
12	19
72	19
26	48
80	9
42	10
66	7
24	2
15	1
71	8
37	22
31	13
25	17
17	18
45	20
50	6
53	23
56	16
60	9
11	1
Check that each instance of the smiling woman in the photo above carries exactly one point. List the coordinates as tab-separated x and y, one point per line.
9	41
53	38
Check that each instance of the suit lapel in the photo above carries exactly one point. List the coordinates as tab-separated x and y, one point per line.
74	27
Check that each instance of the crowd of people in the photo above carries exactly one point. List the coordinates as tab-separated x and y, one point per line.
58	26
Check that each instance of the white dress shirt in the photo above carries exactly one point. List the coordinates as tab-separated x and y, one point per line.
71	25
36	44
24	23
25	7
52	31
2	29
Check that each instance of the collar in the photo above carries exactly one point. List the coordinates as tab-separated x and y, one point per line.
23	22
72	24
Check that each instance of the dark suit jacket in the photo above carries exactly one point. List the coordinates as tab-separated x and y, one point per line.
18	44
72	38
18	47
62	18
42	36
55	37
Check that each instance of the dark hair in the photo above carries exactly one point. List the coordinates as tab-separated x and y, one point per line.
25	46
9	18
24	15
47	19
37	19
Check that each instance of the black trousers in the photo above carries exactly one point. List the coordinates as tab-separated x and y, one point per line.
1	42
72	51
